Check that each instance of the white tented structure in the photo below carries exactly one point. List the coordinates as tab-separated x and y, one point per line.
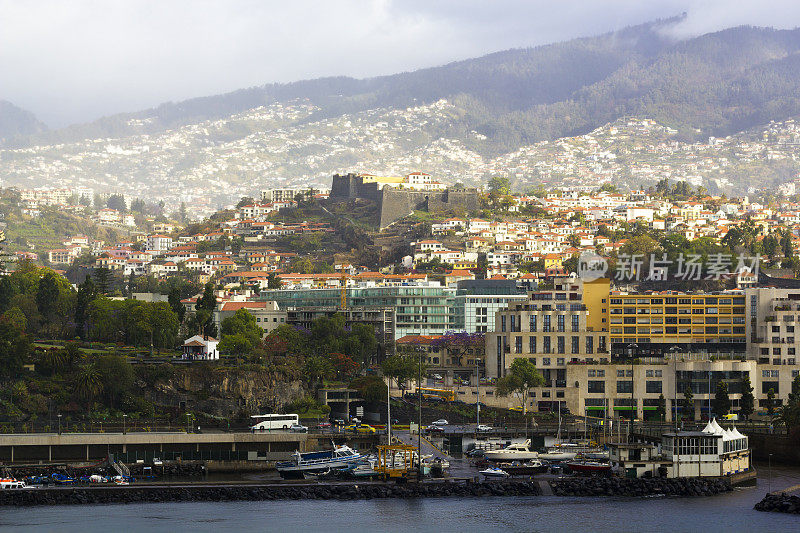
714	451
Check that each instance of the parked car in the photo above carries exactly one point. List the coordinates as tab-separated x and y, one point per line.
440	422
324	425
298	428
484	427
435	429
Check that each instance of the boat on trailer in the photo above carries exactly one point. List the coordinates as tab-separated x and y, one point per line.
340	457
589	467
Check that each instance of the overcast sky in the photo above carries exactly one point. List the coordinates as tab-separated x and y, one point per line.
76	60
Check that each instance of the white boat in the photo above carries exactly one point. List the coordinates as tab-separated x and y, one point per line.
568	451
315	462
513	452
12	484
493	471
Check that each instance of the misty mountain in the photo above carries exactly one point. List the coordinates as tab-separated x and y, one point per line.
715	84
16	121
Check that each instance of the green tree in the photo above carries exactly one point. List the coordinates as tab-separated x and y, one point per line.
15	347
747	402
401	368
500	186
102	278
47	294
88	384
771	403
523	376
240	333
174	299
721	402
86	293
688	403
117	377
661	410
316	369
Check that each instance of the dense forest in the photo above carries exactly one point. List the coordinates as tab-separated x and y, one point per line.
714	84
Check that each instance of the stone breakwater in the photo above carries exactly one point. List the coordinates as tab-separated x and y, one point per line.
203	493
779	503
612	486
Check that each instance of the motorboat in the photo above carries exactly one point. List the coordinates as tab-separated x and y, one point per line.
310	462
494	472
590	467
520	451
518	468
568	451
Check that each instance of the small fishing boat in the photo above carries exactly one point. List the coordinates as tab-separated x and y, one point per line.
494	472
589	467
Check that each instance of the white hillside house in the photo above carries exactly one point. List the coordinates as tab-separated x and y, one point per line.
200	348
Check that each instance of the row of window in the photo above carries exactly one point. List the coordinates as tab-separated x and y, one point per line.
547	345
709	300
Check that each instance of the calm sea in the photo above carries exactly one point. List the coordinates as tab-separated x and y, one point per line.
730	512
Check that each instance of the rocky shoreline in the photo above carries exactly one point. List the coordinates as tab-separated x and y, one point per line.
779	503
614	486
190	493
188	469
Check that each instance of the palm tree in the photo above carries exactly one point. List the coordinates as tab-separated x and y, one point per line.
88	384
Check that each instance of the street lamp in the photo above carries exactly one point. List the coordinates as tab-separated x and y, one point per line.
633	410
674	350
124	424
188	419
59	423
478	390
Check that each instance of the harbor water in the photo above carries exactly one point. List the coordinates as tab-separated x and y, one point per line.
728	512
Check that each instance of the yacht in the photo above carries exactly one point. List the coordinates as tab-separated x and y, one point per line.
513	452
317	462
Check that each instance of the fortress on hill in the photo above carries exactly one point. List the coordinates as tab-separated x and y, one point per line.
400	196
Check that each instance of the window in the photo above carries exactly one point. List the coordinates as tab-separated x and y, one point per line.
648	373
546	324
620	373
518	344
560	361
624	387
546	344
546	361
591	372
575	319
560	345
560	322
502	322
596	387
576	343
533	323
601	373
532	344
589	344
653	387
659	373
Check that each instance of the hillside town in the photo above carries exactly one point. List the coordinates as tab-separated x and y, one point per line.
476	291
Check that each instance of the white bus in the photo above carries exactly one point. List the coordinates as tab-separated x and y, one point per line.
270	422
